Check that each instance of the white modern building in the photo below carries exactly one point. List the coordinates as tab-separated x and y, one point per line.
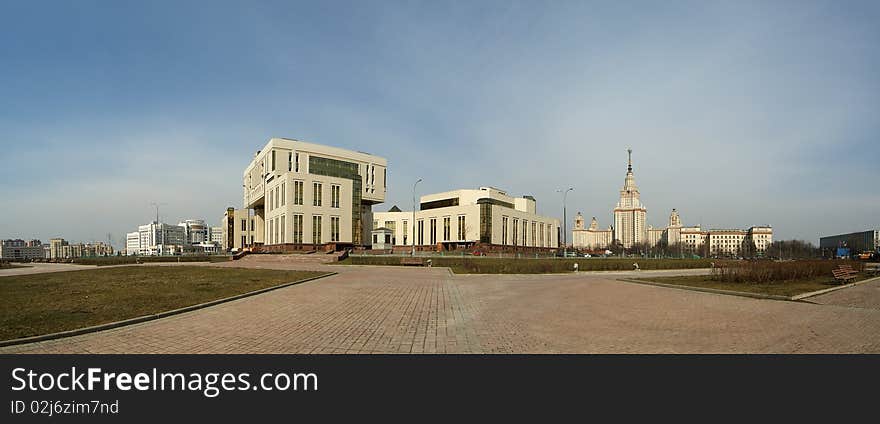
195	231
463	218
156	238
305	196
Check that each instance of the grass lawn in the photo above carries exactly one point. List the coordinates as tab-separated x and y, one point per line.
38	304
788	288
491	265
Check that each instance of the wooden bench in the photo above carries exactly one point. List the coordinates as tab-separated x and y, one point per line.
844	273
412	261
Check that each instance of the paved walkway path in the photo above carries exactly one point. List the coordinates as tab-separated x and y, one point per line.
42	268
415	310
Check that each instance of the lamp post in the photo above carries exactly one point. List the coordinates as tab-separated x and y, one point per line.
564	220
414	218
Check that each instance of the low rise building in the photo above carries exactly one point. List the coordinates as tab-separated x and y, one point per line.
240	229
20	250
464	218
858	242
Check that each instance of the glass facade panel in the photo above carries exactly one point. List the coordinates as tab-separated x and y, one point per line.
348	170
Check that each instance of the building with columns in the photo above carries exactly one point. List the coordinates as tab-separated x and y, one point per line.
486	217
630	229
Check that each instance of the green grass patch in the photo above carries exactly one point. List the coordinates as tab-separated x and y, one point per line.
124	260
488	265
782	288
38	304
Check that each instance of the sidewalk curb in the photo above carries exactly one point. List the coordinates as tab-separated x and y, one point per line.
795	298
145	318
831	289
708	290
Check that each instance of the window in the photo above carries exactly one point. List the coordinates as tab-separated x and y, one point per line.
524	228
243	225
334	228
252	225
405	231
541	237
273	160
283	187
334	196
316	199
515	230
433	231
420	233
391	225
298	229
504	230
289	161
534	227
296	163
276	197
316	229
447	228
270	199
269	229
282	229
298	192
461	228
243	241
277	231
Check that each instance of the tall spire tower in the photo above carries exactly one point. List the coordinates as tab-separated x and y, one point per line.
629	168
630	216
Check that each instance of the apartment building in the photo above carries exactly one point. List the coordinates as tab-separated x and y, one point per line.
19	250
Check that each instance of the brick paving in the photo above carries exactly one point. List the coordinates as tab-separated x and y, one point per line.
419	310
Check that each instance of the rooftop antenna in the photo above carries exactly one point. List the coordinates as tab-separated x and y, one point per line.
157	204
629	152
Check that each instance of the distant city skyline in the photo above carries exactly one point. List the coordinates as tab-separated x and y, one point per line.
738	113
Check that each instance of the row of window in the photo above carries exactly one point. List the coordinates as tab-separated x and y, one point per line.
276	197
521	237
275	229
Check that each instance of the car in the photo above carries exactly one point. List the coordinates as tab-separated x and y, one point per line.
479	253
587	255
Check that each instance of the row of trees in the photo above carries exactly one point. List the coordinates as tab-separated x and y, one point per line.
781	249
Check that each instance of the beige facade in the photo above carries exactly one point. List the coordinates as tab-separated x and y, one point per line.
630	229
630	215
592	237
306	194
240	229
469	216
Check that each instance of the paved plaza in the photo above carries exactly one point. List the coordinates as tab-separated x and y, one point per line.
429	310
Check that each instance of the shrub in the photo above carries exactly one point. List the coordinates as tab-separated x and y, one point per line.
771	272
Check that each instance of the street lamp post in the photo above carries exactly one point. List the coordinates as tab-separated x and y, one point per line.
414	218
564	220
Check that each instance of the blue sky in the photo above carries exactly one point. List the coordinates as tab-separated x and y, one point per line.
739	113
